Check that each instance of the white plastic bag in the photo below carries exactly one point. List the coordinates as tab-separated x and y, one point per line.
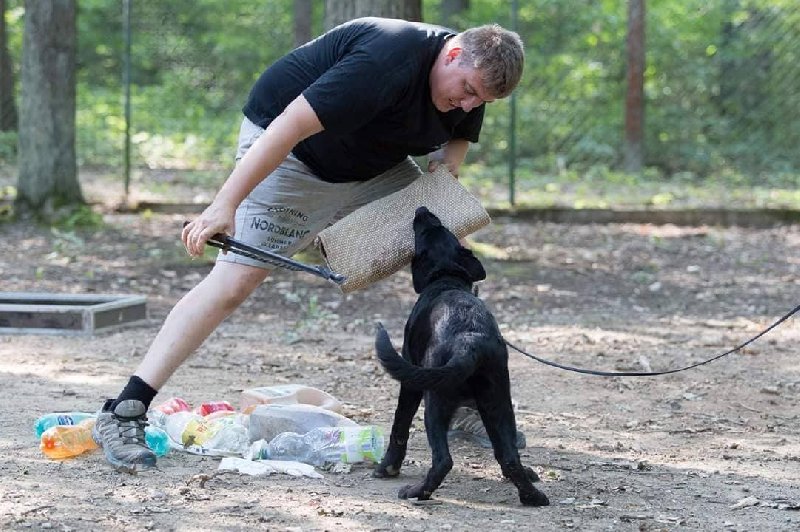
267	467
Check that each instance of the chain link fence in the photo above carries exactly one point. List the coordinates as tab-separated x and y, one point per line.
722	87
722	84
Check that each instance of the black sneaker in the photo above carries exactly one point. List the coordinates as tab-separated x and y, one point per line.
121	435
467	423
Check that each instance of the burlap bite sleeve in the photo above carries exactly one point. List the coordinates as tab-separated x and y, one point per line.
377	239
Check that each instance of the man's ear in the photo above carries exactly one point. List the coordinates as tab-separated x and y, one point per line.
471	264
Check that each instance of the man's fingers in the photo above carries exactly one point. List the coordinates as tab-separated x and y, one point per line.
186	236
196	234
453	168
194	238
200	241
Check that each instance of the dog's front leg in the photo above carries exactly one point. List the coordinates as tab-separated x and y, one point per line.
439	410
407	405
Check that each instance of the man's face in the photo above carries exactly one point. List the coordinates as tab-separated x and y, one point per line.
455	86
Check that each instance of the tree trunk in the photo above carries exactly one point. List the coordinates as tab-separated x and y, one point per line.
303	10
451	10
339	11
47	168
634	101
8	109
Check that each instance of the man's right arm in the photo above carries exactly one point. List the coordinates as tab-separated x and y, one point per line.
297	122
451	154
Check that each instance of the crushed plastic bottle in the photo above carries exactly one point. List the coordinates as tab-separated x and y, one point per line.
267	421
286	394
223	436
59	418
172	405
157	416
324	445
66	441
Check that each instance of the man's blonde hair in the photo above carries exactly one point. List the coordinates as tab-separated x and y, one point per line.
499	55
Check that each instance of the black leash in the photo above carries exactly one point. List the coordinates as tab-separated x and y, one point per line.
226	243
654	373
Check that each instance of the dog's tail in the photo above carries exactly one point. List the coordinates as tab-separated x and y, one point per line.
456	371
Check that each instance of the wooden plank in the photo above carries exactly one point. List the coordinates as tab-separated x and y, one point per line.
68	314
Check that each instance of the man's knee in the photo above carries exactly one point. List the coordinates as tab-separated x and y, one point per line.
233	283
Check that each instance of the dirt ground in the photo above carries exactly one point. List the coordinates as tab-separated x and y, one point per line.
714	448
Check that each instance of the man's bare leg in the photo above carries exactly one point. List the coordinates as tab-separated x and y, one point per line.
195	317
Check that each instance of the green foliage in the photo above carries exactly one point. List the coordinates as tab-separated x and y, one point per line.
192	64
722	87
8	147
602	187
82	217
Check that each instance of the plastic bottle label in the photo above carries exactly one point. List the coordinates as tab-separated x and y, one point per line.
173	405
359	444
198	432
214	406
65	420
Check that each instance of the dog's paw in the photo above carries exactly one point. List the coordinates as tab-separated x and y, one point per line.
532	476
529	472
534	498
387	471
415	491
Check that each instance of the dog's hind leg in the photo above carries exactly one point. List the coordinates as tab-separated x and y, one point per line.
407	405
439	409
498	418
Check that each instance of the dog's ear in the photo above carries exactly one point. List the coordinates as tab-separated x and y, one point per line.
420	271
471	264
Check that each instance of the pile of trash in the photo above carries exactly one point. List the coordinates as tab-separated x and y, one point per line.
287	428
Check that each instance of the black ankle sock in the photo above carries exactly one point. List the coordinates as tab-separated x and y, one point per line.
136	389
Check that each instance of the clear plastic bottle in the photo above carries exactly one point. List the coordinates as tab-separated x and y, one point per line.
66	441
59	418
218	436
267	421
176	424
322	446
288	394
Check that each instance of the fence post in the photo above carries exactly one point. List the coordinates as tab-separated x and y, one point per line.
512	124
633	146
126	82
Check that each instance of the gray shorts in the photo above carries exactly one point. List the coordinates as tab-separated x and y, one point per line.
291	205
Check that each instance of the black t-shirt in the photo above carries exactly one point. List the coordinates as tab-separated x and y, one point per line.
368	82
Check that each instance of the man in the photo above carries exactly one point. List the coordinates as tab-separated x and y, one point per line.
328	128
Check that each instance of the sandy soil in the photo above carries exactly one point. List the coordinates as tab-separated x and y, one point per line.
715	448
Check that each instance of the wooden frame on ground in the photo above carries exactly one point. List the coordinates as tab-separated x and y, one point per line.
68	314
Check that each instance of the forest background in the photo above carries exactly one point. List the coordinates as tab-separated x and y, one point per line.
720	96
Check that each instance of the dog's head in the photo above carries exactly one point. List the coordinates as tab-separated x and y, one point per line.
437	253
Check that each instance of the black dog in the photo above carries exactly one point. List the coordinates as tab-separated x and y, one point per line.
452	353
